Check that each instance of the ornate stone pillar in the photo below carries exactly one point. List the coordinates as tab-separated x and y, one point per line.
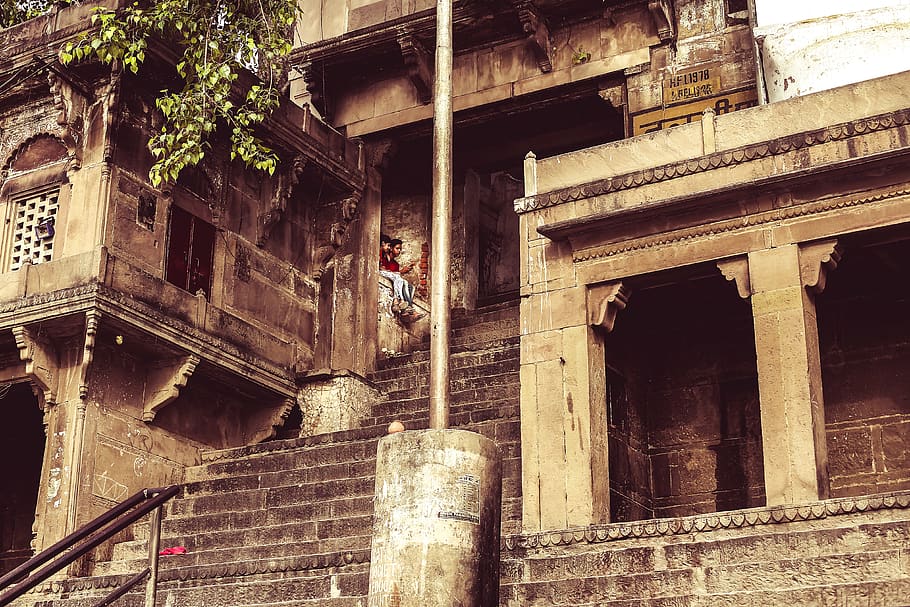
783	283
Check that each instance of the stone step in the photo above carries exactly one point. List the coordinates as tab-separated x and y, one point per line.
263	480
134	556
241	521
475	348
280	456
414	413
272	497
471	384
890	593
204	587
792	573
284	533
486	362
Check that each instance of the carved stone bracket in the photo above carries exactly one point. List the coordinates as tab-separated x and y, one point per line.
287	180
736	270
266	424
419	63
663	15
163	384
336	238
315	86
92	319
535	26
70	107
604	303
612	94
816	260
40	358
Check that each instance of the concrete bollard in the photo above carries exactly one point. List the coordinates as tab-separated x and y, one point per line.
436	520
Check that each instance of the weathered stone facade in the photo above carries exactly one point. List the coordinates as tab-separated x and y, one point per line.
701	399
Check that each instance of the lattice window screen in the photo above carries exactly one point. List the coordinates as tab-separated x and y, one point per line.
33	235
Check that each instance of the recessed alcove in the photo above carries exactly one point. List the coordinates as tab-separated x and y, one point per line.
682	391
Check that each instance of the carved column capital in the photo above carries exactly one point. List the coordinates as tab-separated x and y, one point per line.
736	270
816	260
604	303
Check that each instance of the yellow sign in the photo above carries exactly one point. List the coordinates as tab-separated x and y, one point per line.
663	118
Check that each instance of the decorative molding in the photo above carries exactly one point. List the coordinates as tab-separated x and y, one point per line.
717	160
604	303
736	270
534	24
703	523
287	180
731	225
92	319
816	260
419	63
40	358
163	384
664	19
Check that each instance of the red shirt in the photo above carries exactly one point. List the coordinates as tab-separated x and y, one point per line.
387	263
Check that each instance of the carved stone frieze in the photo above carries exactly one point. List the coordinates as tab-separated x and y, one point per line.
604	303
732	225
705	523
163	384
40	358
716	160
534	24
816	260
419	64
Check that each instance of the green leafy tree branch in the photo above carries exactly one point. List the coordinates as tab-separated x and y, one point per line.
218	40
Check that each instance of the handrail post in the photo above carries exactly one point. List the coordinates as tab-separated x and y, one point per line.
151	586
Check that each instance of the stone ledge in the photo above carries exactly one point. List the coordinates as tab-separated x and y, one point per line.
735	519
710	162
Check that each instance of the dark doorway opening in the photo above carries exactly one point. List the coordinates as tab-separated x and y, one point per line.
683	408
22	442
864	341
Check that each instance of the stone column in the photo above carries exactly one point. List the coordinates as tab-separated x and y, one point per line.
783	283
436	520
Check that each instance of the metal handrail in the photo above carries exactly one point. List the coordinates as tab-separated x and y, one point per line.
85	539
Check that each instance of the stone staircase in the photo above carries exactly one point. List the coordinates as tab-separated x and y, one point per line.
289	522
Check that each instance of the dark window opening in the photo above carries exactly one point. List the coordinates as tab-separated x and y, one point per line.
190	252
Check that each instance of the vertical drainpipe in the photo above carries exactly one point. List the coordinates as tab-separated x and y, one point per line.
440	293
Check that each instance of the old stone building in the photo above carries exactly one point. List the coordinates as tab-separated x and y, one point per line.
680	304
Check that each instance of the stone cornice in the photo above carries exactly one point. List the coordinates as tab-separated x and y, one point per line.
738	519
714	161
118	307
731	225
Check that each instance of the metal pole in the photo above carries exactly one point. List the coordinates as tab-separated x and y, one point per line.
151	587
442	220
